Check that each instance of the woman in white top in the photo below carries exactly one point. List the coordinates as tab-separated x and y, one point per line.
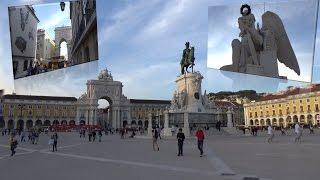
270	133
298	131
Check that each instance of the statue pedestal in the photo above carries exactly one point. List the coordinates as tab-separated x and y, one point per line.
255	69
189	88
268	59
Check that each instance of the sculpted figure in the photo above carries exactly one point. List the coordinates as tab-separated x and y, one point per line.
261	47
187	59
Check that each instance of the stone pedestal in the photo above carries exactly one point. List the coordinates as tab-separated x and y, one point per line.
268	59
255	69
189	89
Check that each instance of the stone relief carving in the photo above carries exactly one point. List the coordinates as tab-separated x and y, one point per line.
21	44
105	75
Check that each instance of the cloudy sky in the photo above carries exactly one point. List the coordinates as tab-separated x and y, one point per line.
223	29
141	43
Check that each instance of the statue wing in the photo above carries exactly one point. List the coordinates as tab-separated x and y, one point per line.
285	53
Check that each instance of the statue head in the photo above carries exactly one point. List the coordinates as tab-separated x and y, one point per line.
187	45
245	10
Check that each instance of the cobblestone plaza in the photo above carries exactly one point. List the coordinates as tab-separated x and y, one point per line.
226	157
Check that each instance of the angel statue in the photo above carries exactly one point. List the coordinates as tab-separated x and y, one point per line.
260	48
187	58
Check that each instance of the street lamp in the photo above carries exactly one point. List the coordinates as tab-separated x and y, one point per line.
62	5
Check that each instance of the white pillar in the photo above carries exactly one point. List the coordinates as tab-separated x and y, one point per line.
119	119
114	118
167	130
186	128
229	117
150	124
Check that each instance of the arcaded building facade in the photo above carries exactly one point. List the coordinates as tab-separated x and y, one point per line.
84	40
24	112
285	108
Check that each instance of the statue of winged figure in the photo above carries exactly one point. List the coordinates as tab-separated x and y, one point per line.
261	47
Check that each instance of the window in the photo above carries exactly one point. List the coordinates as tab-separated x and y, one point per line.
273	106
256	114
279	105
317	107
274	112
280	112
309	108
301	108
301	101
308	100
250	114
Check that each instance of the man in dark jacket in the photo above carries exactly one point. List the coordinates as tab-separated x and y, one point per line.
180	137
55	141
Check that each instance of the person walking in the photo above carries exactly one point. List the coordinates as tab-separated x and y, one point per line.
270	133
13	144
200	138
94	134
218	125
55	141
311	129
155	136
90	135
298	132
23	135
100	135
180	137
159	132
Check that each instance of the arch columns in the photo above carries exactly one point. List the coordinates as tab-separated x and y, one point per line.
150	124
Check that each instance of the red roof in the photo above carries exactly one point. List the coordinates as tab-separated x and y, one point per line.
291	92
225	103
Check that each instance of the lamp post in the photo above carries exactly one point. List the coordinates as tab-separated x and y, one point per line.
62	5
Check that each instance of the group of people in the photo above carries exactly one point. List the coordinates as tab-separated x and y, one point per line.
297	130
92	134
180	139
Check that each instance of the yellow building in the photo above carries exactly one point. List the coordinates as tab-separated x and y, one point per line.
24	112
285	108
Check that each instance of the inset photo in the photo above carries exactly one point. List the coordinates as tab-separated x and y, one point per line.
47	37
269	39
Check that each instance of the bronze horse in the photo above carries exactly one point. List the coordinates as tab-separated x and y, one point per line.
187	60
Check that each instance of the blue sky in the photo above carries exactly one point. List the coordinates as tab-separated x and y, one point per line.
51	16
141	43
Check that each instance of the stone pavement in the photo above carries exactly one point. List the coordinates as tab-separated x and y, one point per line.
226	157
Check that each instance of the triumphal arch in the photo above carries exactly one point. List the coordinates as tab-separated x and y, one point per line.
104	88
